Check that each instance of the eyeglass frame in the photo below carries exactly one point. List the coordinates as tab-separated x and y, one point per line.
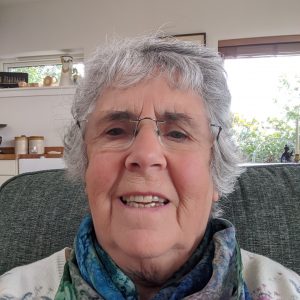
138	120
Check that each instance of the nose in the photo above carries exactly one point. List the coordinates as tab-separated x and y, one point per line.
146	152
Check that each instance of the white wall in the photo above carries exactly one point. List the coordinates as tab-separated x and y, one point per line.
38	25
62	24
42	112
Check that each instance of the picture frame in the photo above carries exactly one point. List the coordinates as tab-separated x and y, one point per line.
193	37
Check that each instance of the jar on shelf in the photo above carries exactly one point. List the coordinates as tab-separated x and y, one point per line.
21	144
36	145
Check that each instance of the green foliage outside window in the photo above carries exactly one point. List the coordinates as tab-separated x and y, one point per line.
38	73
264	141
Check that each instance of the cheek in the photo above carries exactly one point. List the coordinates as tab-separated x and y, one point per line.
192	175
193	182
101	177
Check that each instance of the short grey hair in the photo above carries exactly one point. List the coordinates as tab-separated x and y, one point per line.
125	62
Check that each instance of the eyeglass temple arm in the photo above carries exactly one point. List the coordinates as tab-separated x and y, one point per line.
219	130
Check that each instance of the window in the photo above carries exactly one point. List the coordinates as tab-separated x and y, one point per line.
38	67
264	80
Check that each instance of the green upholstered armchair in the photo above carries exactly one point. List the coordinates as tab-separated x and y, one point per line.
41	211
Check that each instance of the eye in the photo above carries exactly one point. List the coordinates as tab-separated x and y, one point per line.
177	136
119	130
115	132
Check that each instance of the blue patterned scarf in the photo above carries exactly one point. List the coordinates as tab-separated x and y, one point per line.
214	271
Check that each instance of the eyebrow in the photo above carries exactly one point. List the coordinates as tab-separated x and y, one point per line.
127	115
118	116
181	117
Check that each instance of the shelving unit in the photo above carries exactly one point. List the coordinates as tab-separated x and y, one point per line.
37	91
44	111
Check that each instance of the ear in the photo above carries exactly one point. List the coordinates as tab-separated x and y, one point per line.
215	196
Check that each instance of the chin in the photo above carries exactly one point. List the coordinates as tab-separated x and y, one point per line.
145	245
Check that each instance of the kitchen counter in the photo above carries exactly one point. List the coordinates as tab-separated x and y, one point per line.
8	156
7	153
19	156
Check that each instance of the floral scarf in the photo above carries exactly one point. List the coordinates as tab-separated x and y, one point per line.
214	271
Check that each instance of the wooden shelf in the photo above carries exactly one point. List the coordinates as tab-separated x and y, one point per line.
7	153
37	91
8	156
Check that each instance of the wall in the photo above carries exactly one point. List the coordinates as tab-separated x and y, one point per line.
37	26
62	24
35	111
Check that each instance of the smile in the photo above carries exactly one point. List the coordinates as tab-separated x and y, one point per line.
140	201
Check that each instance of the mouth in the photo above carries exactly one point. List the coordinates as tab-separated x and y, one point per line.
140	201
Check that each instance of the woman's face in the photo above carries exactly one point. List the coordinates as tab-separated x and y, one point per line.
149	201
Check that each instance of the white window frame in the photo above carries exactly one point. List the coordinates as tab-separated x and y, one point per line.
28	61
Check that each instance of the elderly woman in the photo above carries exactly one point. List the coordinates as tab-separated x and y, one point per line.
151	140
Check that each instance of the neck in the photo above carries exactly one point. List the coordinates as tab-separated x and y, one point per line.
147	285
146	293
149	275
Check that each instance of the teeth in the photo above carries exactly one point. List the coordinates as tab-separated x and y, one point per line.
143	201
140	205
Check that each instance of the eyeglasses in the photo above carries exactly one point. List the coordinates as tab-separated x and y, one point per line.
117	131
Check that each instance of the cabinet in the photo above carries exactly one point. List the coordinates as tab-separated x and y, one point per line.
8	169
34	164
12	167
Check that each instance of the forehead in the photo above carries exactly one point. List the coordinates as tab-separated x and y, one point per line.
151	97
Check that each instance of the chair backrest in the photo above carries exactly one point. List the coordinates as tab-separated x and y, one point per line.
39	214
265	208
41	211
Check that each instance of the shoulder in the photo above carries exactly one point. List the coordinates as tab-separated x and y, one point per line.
267	279
38	280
